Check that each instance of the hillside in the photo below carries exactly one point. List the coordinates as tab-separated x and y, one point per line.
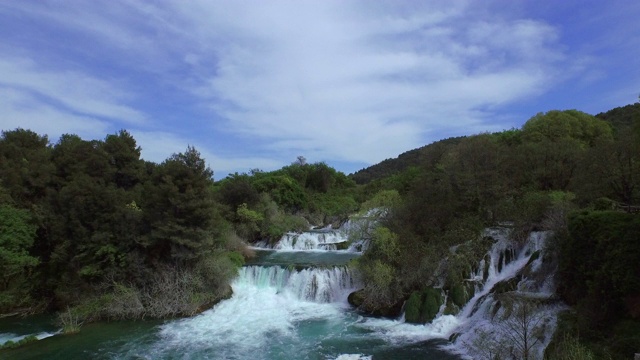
620	118
427	154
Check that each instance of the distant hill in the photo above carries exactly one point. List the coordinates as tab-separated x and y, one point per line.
423	156
621	118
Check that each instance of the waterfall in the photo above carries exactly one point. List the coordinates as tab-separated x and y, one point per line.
322	285
309	241
270	308
512	281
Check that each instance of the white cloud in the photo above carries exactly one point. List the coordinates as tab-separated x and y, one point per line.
19	109
350	81
79	93
341	82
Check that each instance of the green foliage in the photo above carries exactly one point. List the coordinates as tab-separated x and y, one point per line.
17	235
622	119
384	245
12	345
570	348
555	126
412	308
379	278
600	271
332	204
236	258
283	189
511	137
422	307
384	200
248	216
458	295
432	299
71	321
25	167
427	156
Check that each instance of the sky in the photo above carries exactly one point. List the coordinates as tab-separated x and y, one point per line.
255	84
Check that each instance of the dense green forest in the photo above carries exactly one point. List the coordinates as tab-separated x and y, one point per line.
90	229
566	171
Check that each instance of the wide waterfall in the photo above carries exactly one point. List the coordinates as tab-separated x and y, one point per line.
313	240
323	285
290	302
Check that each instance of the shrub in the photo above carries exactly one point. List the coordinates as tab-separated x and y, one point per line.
430	305
458	295
412	308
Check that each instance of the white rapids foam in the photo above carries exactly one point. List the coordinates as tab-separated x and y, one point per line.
4	337
268	306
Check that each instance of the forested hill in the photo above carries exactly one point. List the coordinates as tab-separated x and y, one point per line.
620	118
415	157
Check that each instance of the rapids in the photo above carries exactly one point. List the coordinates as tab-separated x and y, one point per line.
290	302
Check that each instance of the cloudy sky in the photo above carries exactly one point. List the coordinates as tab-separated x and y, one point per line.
253	84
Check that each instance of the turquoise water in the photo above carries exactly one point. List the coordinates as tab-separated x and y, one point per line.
276	312
302	258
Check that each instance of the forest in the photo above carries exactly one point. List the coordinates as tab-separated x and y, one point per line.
91	230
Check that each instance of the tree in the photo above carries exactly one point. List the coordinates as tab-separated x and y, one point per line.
514	333
300	161
521	327
125	158
554	142
17	235
25	167
179	206
473	170
613	170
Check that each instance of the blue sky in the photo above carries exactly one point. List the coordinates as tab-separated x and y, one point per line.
254	84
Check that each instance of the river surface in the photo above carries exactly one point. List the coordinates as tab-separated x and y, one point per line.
286	305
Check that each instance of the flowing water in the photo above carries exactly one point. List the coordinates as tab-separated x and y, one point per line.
289	302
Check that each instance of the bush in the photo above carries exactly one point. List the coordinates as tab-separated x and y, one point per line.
458	295
422	307
570	348
412	308
432	300
70	321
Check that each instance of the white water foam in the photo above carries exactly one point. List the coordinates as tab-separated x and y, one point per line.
320	285
398	331
265	312
354	357
311	241
4	337
480	320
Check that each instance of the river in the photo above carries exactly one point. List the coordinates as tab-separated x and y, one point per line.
286	304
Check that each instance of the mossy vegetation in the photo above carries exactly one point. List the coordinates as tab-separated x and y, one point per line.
14	344
423	306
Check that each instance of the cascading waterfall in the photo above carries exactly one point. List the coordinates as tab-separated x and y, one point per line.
319	240
291	302
321	285
512	283
325	240
276	311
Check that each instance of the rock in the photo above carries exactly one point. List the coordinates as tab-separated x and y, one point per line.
356	299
